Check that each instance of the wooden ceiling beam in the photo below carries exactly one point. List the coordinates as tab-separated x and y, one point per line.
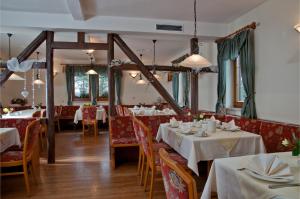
79	46
35	65
144	70
24	55
150	67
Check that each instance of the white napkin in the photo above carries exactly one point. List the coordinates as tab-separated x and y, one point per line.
174	122
153	107
230	126
218	122
135	107
270	166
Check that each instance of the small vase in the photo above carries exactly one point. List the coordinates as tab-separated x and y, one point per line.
295	151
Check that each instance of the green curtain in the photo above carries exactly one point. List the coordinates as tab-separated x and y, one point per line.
93	85
186	87
248	76
175	86
118	79
240	45
69	83
103	82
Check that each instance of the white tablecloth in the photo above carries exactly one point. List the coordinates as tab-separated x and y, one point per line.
228	182
9	137
149	111
101	115
217	145
20	114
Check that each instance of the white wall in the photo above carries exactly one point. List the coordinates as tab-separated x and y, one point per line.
276	59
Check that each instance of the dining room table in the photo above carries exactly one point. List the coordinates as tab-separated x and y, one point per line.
100	115
9	137
149	111
20	114
220	144
229	179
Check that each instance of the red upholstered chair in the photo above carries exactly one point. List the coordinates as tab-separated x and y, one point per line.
57	115
28	157
89	119
178	183
272	134
250	125
119	110
126	111
152	158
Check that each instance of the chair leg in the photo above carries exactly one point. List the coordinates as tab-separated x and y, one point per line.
58	126
26	179
151	185
142	169
139	162
146	177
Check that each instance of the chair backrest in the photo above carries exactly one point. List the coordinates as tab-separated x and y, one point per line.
58	110
126	111
37	114
119	110
136	128
31	138
89	113
178	183
146	140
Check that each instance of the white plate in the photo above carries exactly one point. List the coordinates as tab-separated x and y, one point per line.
266	178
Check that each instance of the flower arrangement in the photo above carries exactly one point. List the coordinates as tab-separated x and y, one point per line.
294	144
8	110
199	117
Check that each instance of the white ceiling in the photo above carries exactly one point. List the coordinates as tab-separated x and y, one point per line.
215	11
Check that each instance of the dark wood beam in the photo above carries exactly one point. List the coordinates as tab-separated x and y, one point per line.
80	37
50	98
150	67
144	70
24	55
194	92
111	75
35	65
79	46
179	59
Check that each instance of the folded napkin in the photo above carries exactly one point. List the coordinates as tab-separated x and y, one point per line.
153	107
230	126
218	122
270	166
135	107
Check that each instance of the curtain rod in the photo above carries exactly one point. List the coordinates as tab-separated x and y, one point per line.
253	25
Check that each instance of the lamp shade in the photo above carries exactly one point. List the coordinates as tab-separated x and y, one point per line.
195	61
297	27
15	77
91	72
141	81
133	74
38	82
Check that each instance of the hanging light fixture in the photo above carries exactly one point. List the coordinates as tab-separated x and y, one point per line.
297	27
133	74
195	60
91	71
154	53
38	80
13	76
141	81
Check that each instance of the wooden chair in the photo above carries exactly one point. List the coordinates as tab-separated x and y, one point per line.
119	110
27	157
57	115
126	111
89	119
177	181
150	155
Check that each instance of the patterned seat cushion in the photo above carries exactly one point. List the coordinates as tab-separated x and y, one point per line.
174	156
10	156
124	141
250	125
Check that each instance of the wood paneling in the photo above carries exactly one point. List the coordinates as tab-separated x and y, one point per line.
111	76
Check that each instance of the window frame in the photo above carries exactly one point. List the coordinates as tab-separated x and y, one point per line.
235	98
79	99
103	99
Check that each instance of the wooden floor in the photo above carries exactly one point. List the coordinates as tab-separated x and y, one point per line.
82	170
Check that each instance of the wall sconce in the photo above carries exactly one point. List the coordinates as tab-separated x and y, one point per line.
297	27
133	74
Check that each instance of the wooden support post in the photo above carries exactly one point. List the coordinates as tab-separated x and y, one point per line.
111	75
194	92
156	84
80	37
50	97
24	55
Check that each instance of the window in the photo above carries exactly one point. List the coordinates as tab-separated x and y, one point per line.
238	91
81	87
82	81
103	85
